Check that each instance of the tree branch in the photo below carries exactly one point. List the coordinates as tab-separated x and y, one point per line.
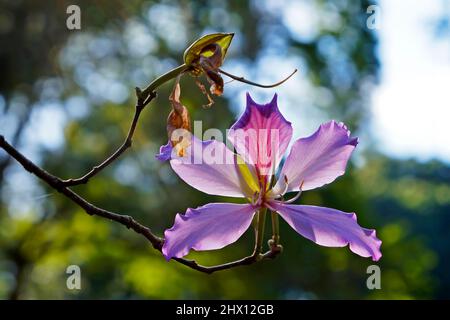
144	97
142	101
58	184
242	79
269	255
157	242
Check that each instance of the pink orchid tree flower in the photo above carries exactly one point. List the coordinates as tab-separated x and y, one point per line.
260	138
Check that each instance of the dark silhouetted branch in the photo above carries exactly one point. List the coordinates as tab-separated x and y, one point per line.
242	79
157	242
142	101
144	97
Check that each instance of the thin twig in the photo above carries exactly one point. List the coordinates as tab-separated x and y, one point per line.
58	184
144	97
142	101
269	255
242	79
157	242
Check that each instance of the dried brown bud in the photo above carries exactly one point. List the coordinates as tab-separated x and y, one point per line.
210	61
205	56
178	122
200	47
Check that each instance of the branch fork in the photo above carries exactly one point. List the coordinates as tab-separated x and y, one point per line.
144	97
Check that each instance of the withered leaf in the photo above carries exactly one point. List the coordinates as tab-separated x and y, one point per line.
178	122
210	64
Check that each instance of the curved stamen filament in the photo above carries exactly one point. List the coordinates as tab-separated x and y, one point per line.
286	186
242	79
297	195
272	173
254	199
275	228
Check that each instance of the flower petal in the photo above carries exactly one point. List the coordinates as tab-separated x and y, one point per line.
318	159
261	135
165	152
212	168
330	228
210	227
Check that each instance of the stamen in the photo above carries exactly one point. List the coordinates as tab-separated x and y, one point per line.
242	79
297	195
255	198
286	186
272	175
275	193
269	207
